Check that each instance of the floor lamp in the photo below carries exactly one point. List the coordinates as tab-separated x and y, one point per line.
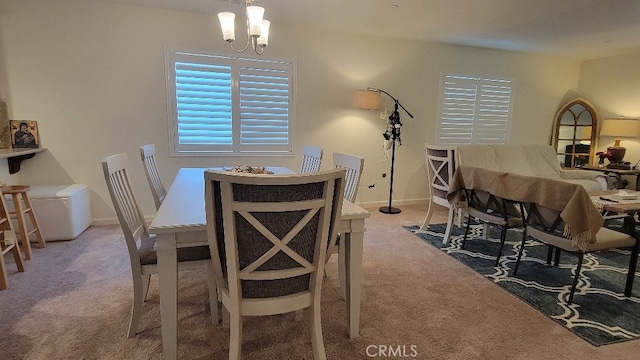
370	99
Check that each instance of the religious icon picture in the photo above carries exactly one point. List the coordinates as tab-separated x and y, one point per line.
24	133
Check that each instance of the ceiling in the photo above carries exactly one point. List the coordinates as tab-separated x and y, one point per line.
580	29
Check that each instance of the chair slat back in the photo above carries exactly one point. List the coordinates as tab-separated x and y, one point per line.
275	230
353	165
148	156
124	202
311	159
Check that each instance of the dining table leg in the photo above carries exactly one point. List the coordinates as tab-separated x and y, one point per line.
353	247
168	283
342	260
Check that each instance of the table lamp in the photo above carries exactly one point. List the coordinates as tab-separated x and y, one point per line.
619	128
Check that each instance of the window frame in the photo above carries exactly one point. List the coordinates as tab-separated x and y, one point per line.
235	62
480	81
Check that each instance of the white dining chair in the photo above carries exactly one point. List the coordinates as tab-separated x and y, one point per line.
311	159
140	243
268	237
353	165
148	156
441	166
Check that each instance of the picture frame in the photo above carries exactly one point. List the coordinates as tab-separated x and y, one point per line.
24	134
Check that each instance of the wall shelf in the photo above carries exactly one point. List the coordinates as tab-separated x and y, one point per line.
16	156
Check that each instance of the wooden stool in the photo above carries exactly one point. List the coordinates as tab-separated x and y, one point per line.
20	195
5	225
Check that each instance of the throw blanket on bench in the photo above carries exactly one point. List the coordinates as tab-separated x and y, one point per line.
582	219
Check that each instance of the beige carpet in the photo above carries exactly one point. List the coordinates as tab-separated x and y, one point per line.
73	302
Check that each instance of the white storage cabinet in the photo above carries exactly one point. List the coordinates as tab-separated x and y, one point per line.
63	211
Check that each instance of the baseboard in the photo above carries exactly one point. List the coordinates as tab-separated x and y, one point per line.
395	203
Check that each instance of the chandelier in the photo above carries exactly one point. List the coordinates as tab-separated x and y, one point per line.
257	28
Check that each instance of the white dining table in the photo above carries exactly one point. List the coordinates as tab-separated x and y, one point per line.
181	222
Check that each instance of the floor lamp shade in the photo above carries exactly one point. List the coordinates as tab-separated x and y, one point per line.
366	99
619	128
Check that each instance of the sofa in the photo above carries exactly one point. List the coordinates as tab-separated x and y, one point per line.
536	160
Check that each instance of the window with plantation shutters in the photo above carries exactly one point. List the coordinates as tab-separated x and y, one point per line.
227	105
474	110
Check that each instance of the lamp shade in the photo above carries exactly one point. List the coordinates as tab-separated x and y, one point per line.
255	15
366	99
227	23
263	40
620	128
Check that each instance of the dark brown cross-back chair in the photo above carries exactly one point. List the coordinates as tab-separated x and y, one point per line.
494	210
545	225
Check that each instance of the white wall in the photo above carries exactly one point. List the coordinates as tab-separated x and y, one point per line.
612	85
92	74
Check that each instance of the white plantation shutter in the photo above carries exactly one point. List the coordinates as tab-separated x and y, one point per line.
204	109
264	106
225	105
474	110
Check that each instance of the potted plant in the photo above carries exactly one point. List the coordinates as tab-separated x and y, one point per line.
603	155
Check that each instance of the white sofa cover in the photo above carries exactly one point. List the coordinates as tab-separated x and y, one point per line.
529	160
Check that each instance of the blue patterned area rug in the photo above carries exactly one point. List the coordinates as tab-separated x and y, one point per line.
600	313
